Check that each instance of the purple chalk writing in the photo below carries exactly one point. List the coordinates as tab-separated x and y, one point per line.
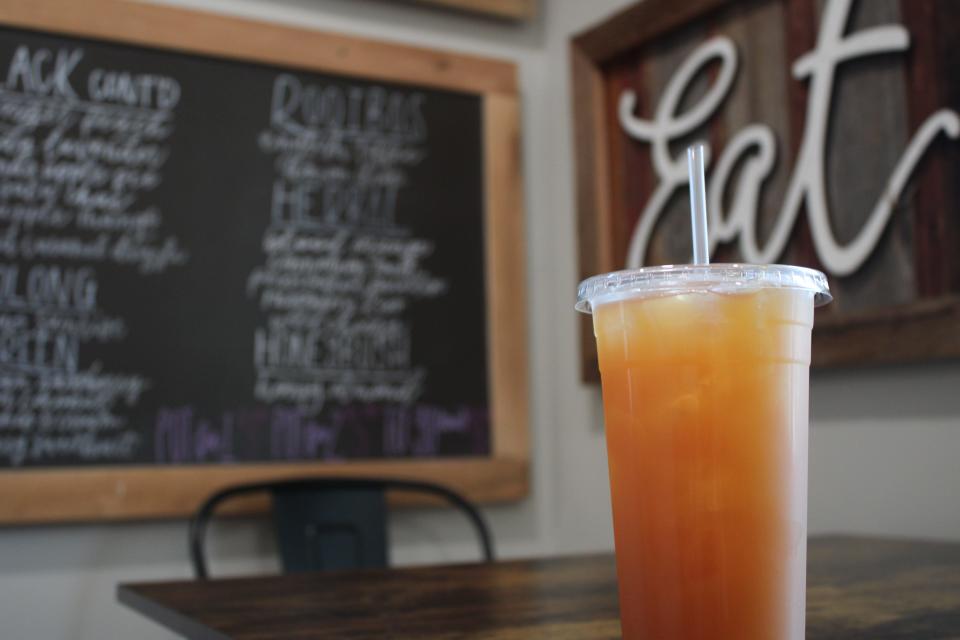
180	437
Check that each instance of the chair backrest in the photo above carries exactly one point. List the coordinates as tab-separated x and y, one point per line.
329	523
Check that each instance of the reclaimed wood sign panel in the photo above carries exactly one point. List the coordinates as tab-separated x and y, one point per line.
231	251
832	128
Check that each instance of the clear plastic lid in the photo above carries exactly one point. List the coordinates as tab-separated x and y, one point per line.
721	278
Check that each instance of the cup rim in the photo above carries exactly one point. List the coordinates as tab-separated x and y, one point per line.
689	278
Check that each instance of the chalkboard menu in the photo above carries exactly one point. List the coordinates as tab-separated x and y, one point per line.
206	260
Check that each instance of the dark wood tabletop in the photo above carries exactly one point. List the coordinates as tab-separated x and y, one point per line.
858	589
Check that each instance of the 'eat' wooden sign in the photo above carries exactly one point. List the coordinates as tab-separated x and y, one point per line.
833	129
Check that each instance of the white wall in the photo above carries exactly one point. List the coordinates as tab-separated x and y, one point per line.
884	447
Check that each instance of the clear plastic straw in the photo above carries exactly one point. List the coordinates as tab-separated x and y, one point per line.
698	204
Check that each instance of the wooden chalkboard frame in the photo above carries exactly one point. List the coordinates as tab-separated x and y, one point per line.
925	329
118	493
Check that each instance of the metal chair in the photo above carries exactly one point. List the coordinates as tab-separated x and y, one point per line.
329	523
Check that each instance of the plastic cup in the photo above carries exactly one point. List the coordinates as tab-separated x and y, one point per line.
705	378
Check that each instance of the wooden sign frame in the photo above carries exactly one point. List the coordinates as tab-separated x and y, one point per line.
505	9
927	328
138	492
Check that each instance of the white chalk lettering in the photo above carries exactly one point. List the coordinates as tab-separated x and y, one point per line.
43	72
80	154
340	270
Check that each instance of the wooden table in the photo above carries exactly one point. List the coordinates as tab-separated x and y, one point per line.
863	589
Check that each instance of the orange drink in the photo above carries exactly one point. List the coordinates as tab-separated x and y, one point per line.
705	391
